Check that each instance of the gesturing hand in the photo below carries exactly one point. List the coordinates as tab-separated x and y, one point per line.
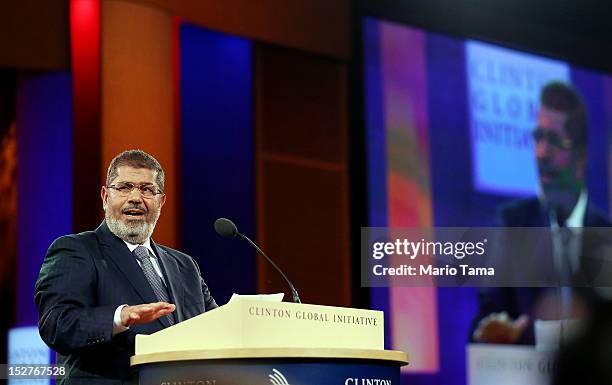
499	328
145	313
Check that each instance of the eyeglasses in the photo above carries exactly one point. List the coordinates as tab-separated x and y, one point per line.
125	188
554	139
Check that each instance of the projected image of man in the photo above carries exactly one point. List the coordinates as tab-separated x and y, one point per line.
506	315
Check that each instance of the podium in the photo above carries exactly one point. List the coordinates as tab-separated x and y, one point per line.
278	343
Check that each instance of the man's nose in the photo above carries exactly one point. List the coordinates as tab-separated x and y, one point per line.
542	149
135	196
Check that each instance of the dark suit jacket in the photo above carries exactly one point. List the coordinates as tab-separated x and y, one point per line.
522	300
82	281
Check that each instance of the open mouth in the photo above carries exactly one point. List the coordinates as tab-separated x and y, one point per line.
547	174
133	213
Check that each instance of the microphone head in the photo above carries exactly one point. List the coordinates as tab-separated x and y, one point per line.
225	228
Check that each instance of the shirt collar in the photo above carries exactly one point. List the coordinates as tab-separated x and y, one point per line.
146	244
576	217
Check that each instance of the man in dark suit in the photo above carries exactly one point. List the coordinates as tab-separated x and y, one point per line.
98	289
506	313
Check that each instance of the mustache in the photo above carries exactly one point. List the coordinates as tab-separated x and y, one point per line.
545	167
132	207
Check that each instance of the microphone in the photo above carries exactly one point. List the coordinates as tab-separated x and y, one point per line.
227	229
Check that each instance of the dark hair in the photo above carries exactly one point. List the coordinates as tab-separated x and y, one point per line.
566	99
136	159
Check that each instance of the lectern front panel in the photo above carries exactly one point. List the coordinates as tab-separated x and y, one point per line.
274	371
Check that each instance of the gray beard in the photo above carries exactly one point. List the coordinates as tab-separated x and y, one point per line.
135	232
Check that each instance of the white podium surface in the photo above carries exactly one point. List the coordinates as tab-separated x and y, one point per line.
490	364
249	323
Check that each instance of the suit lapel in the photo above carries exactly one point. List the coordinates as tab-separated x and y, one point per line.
117	251
542	219
171	271
595	245
593	217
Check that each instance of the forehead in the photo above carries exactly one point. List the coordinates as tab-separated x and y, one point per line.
135	175
552	120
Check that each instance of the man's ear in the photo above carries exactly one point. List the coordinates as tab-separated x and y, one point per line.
104	196
581	160
162	200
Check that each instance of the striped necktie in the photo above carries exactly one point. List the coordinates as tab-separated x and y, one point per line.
142	254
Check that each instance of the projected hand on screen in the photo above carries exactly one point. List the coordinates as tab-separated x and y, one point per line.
499	328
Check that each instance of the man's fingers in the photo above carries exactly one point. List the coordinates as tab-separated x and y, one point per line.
154	307
145	313
159	305
518	327
165	310
485	326
521	323
161	313
500	328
